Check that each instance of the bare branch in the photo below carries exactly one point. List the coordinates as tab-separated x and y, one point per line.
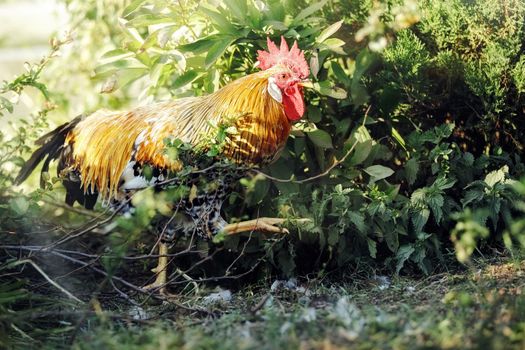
49	279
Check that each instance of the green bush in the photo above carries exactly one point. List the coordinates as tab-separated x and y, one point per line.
413	121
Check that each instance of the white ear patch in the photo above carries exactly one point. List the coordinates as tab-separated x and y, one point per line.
274	90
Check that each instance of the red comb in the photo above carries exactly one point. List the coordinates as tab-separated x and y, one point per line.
291	58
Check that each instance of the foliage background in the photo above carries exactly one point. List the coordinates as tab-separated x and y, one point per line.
415	117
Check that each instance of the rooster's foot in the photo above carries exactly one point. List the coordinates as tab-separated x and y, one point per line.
159	285
261	224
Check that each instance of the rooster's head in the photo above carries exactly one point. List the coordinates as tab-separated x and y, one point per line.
288	70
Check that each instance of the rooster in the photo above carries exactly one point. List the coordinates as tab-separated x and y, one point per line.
103	155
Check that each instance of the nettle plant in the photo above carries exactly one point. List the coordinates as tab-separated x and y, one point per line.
383	167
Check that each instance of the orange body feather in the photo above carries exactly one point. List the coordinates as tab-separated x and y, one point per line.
104	142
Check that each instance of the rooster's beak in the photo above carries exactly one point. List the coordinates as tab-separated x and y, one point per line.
306	83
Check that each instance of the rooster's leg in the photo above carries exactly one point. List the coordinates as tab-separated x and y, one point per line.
161	271
260	224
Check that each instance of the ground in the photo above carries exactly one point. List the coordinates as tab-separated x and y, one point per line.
476	307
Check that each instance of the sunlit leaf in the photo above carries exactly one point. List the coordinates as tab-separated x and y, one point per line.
199	46
378	172
115	55
130	32
333	44
217	50
149	19
278	25
184	79
132	7
328	32
397	136
106	70
238	8
6	104
219	20
327	88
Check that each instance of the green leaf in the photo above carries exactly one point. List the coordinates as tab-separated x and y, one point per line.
261	188
320	138
219	20
19	205
340	73
442	183
328	32
378	172
468	158
116	54
314	64
105	70
277	25
333	238
281	169
309	11
238	8
219	237
314	114
132	7
130	32
397	136
435	202
472	196
359	94
149	19
6	104
327	88
129	75
496	176
333	44
362	134
404	252
184	79
372	247
418	197
363	61
411	170
199	46
392	240
361	152
286	262
419	219
358	220
216	51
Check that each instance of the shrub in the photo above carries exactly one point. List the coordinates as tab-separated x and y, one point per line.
412	134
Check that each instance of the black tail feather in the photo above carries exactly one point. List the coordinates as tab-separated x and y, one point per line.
51	146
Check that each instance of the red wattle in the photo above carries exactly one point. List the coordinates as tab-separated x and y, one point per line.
293	103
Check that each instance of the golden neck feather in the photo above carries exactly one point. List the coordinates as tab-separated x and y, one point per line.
104	142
